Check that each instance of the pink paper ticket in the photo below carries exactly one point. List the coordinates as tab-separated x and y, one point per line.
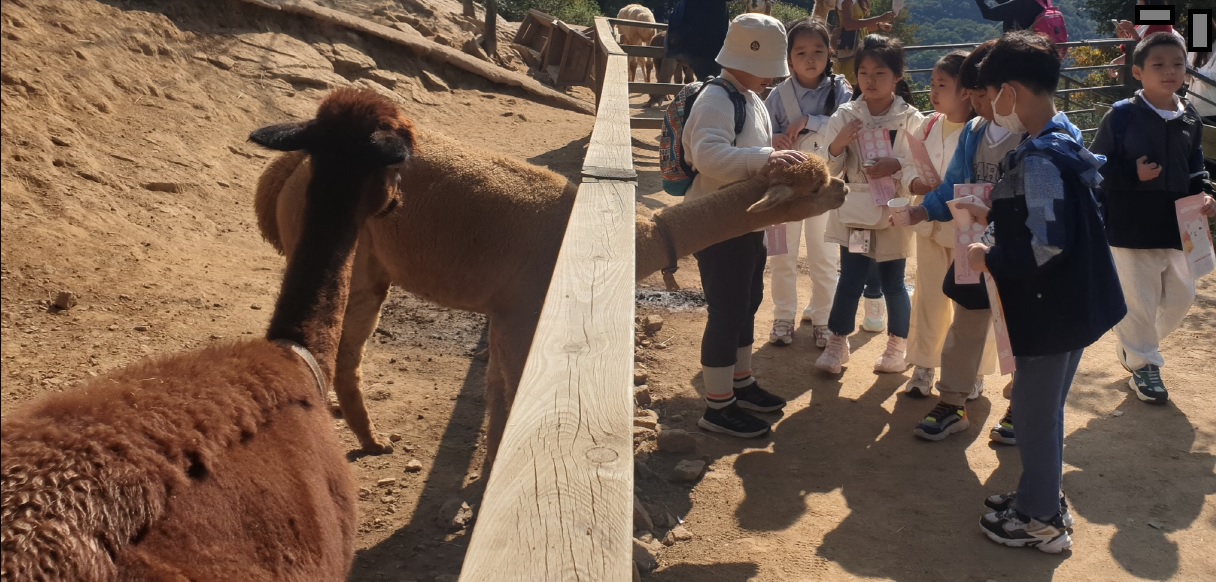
1004	349
874	144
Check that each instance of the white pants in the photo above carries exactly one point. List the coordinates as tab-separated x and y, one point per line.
1159	290
821	260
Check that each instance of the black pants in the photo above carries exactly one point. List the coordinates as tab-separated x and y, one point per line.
705	68
732	275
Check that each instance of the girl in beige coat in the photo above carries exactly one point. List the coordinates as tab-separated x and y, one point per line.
861	227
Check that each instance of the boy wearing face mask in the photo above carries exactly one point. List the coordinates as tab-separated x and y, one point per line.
1054	274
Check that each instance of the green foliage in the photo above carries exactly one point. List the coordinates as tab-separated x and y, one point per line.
788	12
580	12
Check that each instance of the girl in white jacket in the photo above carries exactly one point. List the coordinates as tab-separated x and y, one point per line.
861	227
799	108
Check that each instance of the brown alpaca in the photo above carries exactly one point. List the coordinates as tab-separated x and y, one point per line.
481	232
638	36
222	463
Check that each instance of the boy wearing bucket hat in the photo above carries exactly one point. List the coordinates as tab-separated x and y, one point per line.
732	271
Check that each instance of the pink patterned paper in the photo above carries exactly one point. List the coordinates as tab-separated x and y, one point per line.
1004	349
874	144
924	165
966	231
775	240
981	191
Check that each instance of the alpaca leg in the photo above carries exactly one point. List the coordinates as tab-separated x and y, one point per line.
510	341
368	290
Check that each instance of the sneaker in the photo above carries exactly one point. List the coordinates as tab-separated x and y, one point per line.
943	420
876	315
821	334
1003	501
783	332
753	397
1003	431
1146	383
978	389
835	355
921	384
733	421
892	359
1015	530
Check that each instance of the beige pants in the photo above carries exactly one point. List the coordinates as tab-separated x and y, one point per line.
932	311
969	347
1159	290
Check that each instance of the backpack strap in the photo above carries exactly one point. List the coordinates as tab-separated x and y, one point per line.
789	101
929	126
736	98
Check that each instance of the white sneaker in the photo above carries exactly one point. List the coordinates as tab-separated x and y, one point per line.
921	384
783	332
978	389
835	355
876	315
892	360
821	334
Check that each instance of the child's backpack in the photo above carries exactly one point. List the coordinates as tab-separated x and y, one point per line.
677	174
1051	25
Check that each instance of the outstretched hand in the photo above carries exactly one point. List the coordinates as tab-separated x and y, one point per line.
1146	170
1209	207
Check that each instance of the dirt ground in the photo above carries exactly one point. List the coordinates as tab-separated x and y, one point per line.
127	180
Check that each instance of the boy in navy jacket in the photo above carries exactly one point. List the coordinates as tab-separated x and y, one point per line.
1054	275
1152	144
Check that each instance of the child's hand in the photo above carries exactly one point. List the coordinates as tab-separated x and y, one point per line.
916	215
975	209
976	255
847	134
883	167
782	141
780	158
1125	29
920	186
1209	207
796	127
1147	170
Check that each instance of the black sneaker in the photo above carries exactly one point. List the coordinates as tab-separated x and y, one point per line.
1002	501
1003	431
733	421
942	421
753	397
1013	529
1146	383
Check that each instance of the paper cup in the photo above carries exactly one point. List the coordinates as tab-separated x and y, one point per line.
899	212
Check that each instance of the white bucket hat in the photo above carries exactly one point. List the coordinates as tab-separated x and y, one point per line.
755	44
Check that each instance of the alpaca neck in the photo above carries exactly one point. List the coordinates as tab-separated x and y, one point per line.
694	225
316	284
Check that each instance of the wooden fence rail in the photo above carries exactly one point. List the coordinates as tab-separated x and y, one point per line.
559	502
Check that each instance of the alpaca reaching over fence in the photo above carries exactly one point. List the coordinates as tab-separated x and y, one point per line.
637	35
482	233
222	463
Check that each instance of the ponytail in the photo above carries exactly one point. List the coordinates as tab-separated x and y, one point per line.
903	91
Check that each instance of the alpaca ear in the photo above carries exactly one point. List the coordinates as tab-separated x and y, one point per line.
390	147
284	137
776	195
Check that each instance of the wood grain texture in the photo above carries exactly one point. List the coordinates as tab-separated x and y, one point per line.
611	143
558	505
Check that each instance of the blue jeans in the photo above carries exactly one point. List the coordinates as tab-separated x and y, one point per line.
873	288
854	270
1040	387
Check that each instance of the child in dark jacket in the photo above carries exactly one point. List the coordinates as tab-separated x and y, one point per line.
1053	273
1152	144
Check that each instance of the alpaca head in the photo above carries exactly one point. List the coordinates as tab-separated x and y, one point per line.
800	191
357	143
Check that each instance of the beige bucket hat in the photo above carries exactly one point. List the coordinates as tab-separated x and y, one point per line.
755	43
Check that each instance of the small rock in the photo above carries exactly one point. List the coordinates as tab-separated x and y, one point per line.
660	516
413	466
381	394
59	141
171	187
1156	525
112	327
680	533
642	434
394	437
386	499
652	324
65	300
674	440
454	514
643	558
364	492
647	419
434	82
641	395
641	519
688	471
255	307
473	48
221	62
640	376
386	481
1117	413
141	328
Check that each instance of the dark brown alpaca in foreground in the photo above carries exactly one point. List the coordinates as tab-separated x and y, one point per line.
220	464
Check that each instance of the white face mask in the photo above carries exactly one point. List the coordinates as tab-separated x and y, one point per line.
1011	121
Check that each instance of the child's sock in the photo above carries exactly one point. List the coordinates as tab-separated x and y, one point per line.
743	367
719	392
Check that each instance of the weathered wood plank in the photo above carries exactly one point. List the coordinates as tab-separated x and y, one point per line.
605	38
621	21
558	505
611	143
